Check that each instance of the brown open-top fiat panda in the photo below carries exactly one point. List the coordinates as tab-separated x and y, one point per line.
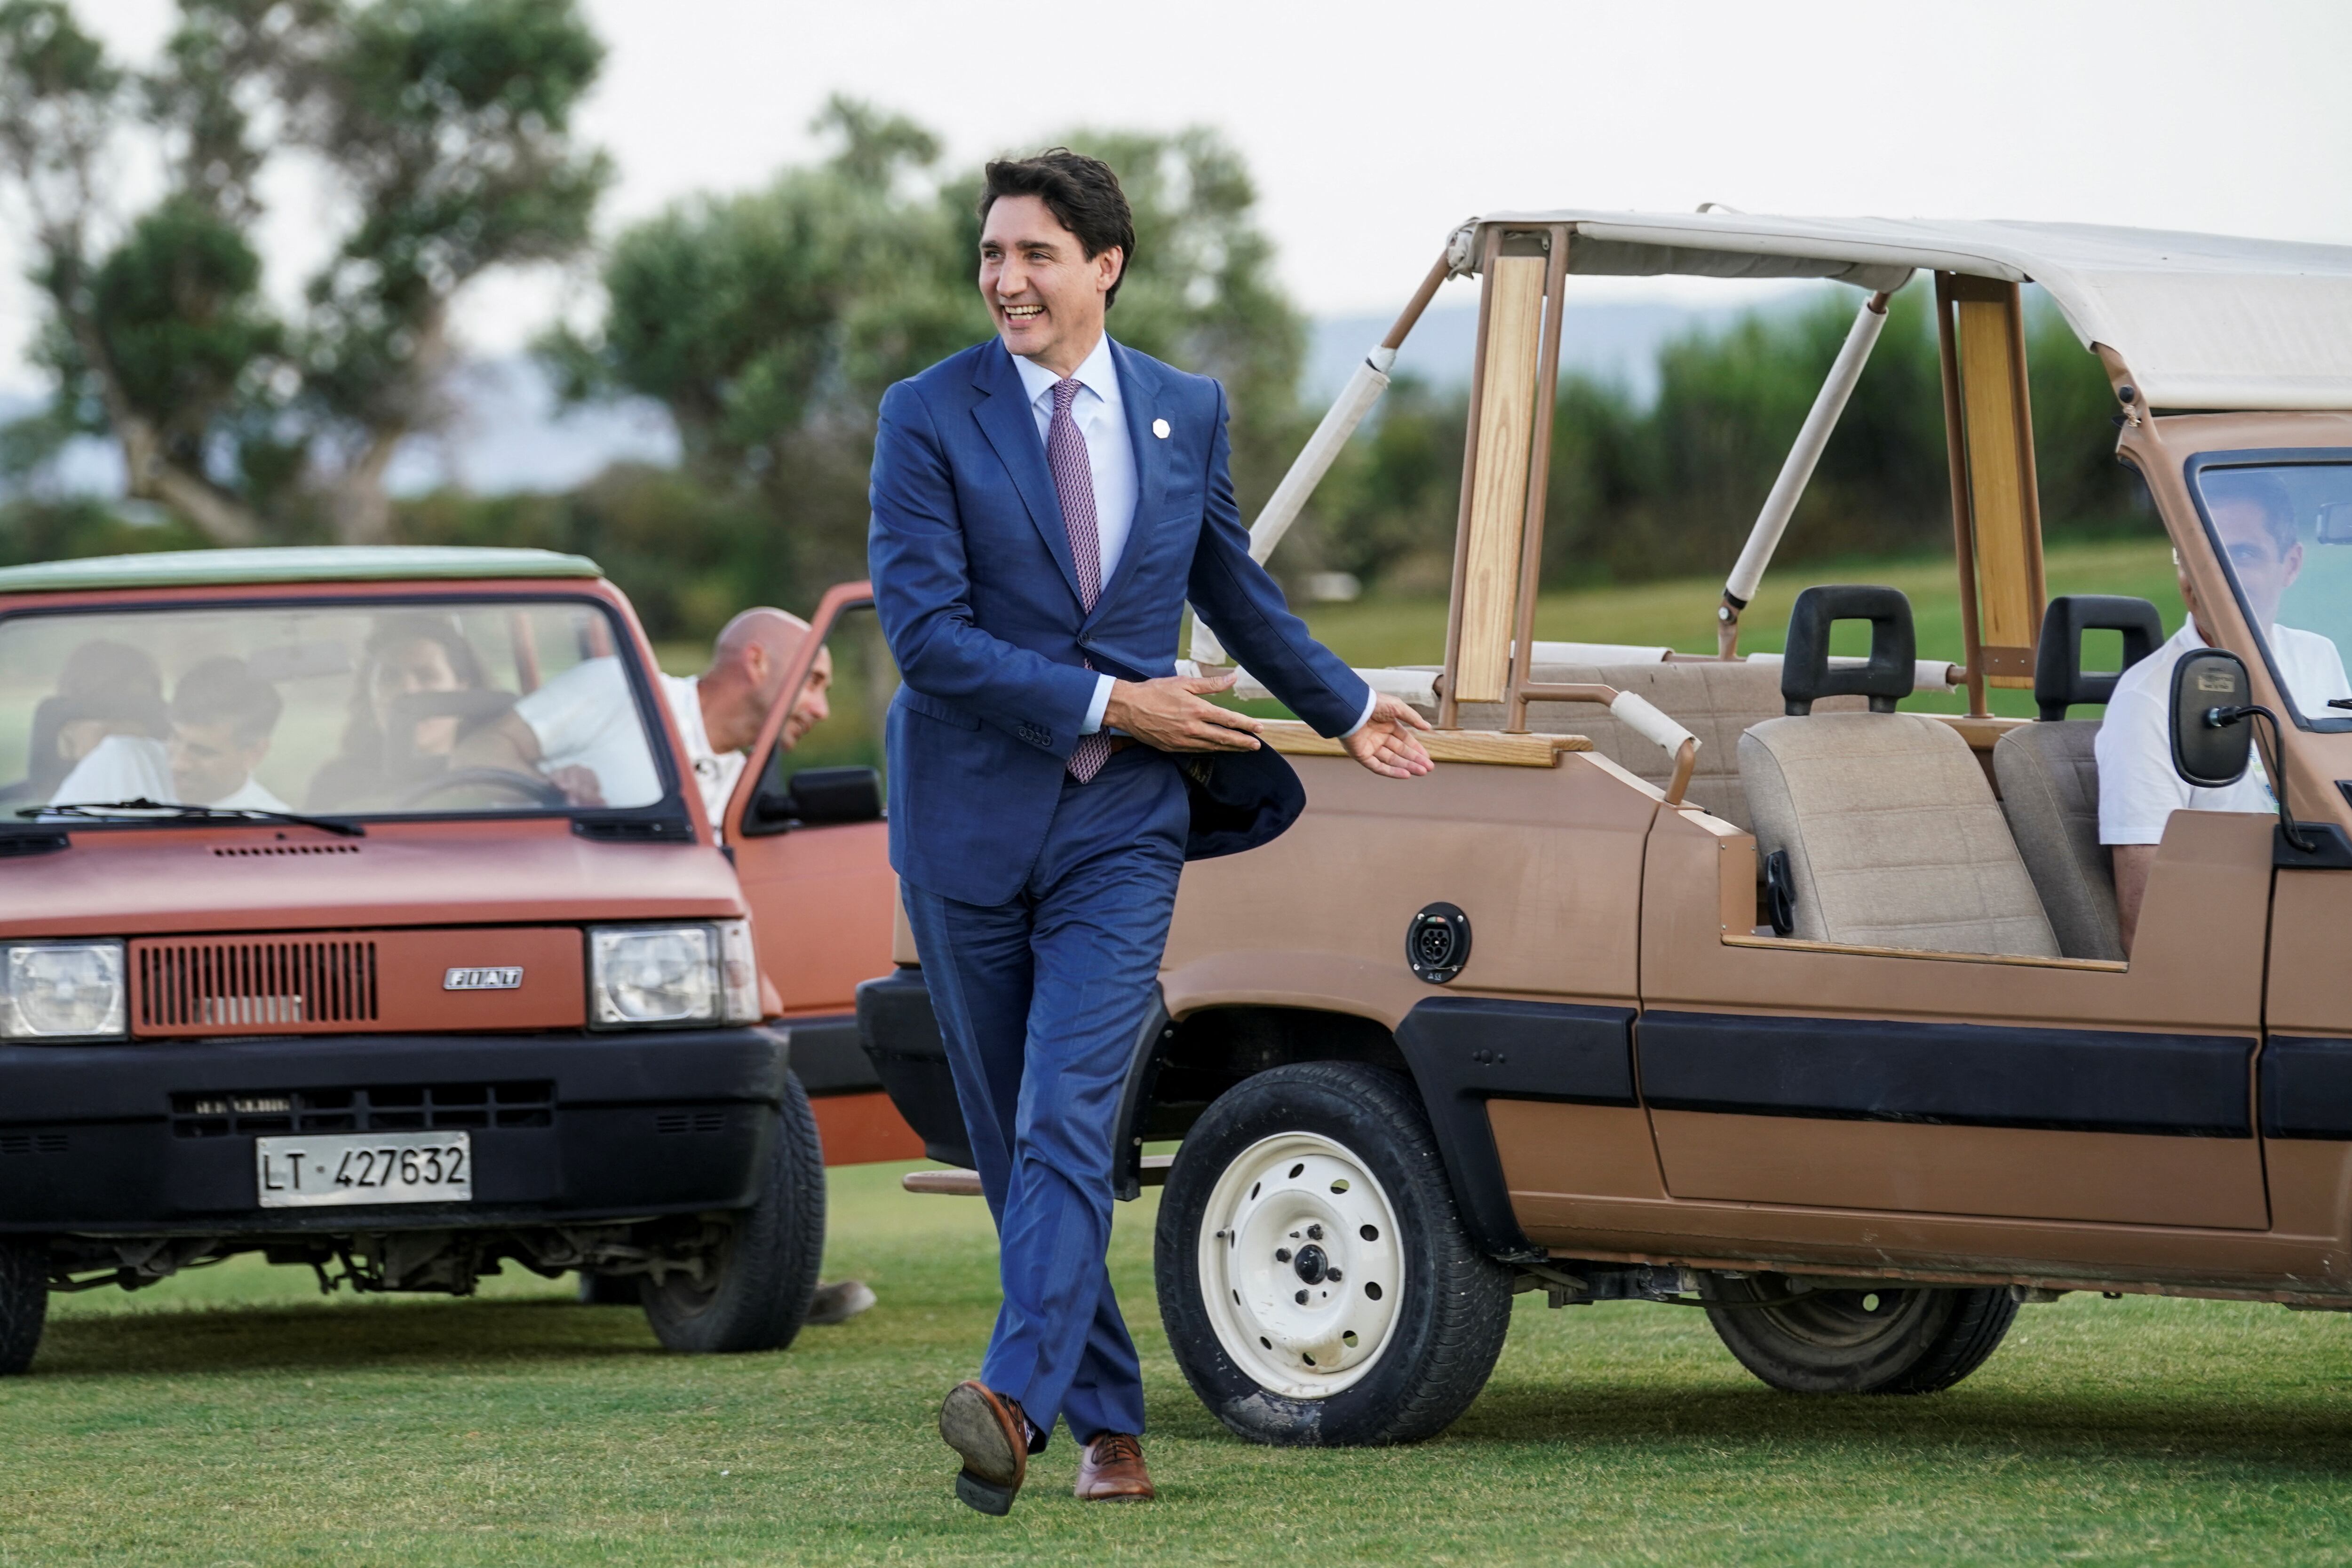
289	964
1727	980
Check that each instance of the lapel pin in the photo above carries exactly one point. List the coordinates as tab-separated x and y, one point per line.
1159	428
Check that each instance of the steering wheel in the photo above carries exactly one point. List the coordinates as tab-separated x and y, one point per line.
537	790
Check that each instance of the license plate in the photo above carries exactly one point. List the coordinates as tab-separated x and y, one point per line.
364	1167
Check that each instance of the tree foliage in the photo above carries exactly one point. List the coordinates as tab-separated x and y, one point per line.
445	124
1640	491
769	324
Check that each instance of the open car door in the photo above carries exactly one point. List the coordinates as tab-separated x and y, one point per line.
805	828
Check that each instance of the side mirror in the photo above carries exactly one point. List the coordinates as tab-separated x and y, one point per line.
821	796
2207	683
2336	523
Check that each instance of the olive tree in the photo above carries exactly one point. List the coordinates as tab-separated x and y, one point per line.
445	126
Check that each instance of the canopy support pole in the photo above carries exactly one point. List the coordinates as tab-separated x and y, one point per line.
1996	507
1503	459
1797	470
1323	448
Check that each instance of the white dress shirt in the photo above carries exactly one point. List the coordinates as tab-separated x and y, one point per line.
1101	418
2138	791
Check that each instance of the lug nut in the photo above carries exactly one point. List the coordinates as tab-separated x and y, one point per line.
1282	1254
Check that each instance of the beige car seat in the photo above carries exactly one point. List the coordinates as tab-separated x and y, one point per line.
1879	829
2050	778
1716	703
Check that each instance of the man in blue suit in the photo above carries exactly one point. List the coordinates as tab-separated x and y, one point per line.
1044	506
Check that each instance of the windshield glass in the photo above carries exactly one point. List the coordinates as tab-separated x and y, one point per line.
381	708
2285	530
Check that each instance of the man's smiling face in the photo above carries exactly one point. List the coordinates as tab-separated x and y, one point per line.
1045	291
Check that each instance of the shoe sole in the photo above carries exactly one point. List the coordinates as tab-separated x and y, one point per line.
993	1468
986	1496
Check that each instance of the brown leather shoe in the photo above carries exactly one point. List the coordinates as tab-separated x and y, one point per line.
1112	1470
992	1436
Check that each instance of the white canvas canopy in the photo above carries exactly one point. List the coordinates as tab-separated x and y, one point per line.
2204	322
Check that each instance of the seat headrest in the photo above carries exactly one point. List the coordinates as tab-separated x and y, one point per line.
2058	679
1805	672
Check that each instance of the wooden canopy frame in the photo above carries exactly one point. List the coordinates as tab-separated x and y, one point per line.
1507	462
1506	471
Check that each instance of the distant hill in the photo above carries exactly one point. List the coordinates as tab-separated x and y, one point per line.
508	436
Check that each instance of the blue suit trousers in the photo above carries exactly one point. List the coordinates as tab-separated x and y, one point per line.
1040	999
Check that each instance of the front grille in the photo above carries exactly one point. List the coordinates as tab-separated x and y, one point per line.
690	1121
32	1143
190	987
382	1108
240	851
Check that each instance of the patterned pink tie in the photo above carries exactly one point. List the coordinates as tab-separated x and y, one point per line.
1073	482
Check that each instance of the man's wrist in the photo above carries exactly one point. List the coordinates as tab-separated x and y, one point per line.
1099	706
1372	703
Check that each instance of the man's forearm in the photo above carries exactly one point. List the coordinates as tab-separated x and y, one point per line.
508	746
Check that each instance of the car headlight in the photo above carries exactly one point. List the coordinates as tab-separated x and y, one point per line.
641	976
61	990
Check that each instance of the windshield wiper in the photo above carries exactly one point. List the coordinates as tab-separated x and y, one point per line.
112	810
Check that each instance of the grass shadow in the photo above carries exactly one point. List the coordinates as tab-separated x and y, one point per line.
2175	1428
346	1336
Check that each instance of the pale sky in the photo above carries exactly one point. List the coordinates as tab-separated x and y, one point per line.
1373	127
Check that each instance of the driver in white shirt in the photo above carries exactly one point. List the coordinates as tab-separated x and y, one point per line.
222	718
581	730
2138	789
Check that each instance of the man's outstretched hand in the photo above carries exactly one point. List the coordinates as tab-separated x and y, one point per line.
1172	714
1387	744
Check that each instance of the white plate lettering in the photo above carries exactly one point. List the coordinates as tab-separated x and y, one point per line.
332	1169
495	978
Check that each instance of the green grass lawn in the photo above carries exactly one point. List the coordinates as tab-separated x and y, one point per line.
1680	612
233	1417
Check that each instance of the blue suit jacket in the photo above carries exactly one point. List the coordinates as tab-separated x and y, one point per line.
978	598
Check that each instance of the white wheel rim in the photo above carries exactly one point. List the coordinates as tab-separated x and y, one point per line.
1298	1214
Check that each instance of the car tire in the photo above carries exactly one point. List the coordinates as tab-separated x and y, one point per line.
1867	1341
24	1303
758	1294
1316	1282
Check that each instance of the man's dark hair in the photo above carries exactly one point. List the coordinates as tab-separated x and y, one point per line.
223	691
2259	489
1081	192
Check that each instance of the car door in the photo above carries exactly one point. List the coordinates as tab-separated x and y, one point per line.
2306	1063
805	830
1785	1079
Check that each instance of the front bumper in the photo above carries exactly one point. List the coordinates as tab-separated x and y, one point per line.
566	1128
902	1036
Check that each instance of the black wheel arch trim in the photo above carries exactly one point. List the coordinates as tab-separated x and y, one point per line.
1466	1050
1461	1052
1151	1037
